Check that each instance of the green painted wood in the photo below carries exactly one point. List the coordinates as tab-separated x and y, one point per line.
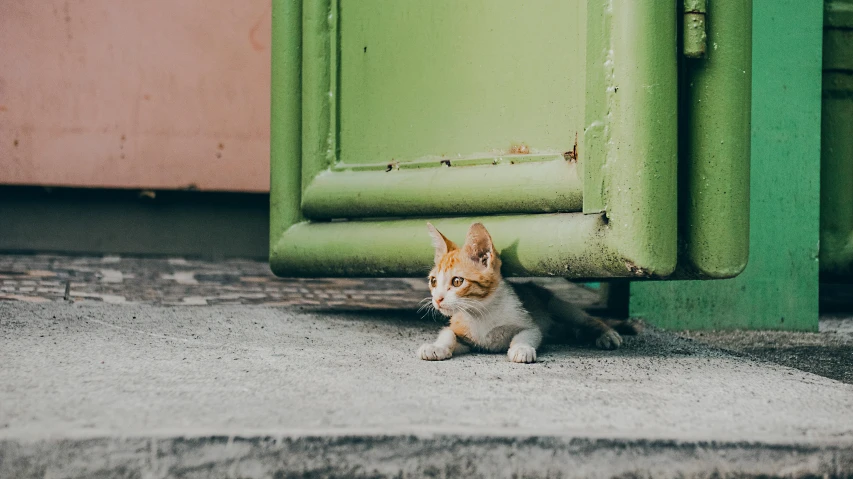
356	98
546	187
716	150
836	167
592	149
285	117
568	245
318	89
641	133
636	105
779	287
459	79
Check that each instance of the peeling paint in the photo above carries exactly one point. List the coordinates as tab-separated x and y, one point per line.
636	270
573	154
519	149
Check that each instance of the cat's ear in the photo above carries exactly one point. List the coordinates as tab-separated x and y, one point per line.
479	247
440	242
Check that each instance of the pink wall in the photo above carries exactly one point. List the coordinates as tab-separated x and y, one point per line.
135	94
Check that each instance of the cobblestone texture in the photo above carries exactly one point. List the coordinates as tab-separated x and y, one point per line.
180	281
187	282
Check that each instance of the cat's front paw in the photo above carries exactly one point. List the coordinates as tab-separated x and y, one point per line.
522	354
609	340
434	352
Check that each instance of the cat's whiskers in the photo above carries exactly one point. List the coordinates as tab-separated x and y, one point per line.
428	308
473	308
424	304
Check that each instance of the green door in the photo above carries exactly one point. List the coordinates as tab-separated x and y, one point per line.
579	132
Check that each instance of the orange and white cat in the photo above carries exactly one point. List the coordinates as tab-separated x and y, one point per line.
490	314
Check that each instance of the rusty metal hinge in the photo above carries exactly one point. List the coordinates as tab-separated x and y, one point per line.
695	34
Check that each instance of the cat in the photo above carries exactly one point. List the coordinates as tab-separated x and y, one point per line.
490	314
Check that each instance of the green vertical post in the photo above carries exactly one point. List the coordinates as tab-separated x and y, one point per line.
779	287
715	152
836	169
285	117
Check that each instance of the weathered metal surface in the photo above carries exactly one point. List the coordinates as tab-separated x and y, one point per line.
635	237
285	118
568	245
836	168
641	133
599	70
630	129
384	90
319	24
779	287
715	149
423	79
695	34
505	188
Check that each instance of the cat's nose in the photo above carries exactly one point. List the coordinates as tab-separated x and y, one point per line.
438	301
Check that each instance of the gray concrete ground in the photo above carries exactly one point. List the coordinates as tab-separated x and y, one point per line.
110	379
156	387
828	353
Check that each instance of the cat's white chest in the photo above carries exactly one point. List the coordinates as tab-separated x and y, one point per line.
504	310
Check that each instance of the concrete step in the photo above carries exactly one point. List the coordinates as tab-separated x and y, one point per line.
351	454
100	390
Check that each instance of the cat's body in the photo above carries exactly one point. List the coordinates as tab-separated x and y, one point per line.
490	314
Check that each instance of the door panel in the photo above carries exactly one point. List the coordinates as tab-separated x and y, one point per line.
570	245
449	80
547	184
396	92
557	126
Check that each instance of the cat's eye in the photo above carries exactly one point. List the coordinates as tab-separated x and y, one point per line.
432	282
456	281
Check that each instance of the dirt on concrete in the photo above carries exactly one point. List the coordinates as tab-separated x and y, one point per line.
828	353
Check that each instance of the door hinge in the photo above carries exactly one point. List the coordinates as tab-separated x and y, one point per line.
695	35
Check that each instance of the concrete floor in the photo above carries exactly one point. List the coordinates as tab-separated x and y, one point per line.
828	353
116	382
185	368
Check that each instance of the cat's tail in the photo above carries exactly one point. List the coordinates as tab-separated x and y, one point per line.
571	322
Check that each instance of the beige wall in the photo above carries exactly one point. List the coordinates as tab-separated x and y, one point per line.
135	94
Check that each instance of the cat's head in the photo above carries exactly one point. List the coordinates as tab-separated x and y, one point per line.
463	277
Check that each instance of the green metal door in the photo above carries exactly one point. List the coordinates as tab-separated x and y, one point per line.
577	131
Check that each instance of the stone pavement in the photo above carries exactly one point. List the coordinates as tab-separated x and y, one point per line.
193	282
160	387
187	282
